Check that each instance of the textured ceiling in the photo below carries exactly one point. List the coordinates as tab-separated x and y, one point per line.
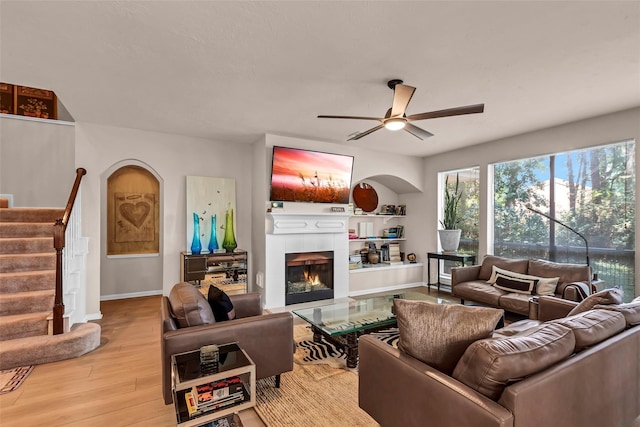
232	71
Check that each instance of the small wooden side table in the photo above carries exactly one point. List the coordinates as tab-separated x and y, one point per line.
464	259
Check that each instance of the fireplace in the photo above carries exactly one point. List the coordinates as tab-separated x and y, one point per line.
294	233
309	277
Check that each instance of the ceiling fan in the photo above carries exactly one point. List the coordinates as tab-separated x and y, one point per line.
396	119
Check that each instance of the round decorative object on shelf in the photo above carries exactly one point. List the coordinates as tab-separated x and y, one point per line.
365	197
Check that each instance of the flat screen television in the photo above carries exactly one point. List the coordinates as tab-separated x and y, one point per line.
299	175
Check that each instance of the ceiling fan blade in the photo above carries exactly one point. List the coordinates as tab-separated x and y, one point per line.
350	117
417	132
401	96
458	111
365	133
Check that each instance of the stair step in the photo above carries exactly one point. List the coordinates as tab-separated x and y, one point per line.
31	214
81	339
16	245
10	263
26	229
26	302
24	281
24	325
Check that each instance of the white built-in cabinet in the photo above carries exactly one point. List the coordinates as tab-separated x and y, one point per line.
381	276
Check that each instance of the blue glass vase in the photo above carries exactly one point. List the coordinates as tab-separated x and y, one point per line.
213	239
196	246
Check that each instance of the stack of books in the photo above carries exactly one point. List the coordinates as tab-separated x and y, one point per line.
394	253
215	395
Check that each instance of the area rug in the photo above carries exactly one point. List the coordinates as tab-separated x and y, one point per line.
311	395
320	391
11	379
309	352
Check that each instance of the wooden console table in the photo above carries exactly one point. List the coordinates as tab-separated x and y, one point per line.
456	257
227	271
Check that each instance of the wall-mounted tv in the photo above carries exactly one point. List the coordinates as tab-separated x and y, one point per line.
299	175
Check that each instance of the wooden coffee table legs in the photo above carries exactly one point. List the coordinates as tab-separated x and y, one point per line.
349	342
352	349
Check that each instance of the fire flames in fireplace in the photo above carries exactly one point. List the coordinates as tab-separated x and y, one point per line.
309	277
314	279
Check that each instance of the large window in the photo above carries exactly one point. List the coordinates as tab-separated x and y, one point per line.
469	210
469	206
590	191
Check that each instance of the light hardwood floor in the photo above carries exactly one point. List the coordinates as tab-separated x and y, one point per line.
118	384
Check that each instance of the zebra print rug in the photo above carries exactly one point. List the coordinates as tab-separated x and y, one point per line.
309	352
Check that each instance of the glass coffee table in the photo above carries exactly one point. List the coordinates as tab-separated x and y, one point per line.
342	323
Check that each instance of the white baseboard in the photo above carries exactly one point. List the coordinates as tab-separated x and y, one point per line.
92	316
130	295
386	289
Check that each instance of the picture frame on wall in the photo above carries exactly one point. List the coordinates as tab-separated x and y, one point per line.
209	197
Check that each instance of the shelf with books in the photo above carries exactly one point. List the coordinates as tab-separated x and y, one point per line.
385	266
387	235
203	395
378	239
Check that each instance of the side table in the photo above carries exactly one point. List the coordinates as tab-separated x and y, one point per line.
186	374
464	259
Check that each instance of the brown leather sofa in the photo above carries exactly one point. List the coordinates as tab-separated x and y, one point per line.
592	387
470	283
267	338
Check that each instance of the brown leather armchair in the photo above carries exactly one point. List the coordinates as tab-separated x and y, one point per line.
267	338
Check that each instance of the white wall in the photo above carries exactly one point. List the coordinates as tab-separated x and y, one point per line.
600	130
36	161
258	220
172	157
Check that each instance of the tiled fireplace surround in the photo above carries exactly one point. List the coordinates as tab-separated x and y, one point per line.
304	232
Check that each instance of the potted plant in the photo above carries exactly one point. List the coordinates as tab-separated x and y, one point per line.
450	234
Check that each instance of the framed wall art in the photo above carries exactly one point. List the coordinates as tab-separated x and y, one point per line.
133	212
34	102
208	201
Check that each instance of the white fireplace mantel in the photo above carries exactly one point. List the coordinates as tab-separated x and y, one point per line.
289	232
296	223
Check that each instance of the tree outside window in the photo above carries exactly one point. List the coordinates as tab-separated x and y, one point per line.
591	191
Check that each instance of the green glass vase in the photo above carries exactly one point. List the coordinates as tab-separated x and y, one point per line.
229	241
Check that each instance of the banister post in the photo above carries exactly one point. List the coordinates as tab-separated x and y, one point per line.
58	305
59	229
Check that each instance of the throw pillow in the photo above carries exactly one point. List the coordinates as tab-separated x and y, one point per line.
438	334
513	284
516	265
605	297
221	305
545	286
189	307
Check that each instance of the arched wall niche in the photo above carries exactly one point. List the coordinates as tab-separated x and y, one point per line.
133	211
395	183
131	274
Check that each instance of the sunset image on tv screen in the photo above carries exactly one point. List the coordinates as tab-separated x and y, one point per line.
310	176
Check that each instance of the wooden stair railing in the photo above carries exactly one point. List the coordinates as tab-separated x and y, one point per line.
59	230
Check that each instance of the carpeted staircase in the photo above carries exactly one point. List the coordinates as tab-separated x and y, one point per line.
27	291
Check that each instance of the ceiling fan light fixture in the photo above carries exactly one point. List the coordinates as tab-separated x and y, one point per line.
395	124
